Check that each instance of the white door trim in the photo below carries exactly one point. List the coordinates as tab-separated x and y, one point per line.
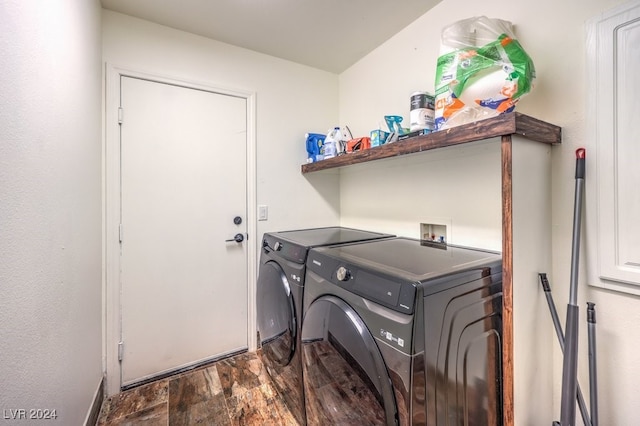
111	206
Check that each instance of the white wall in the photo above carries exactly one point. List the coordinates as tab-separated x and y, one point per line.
50	180
437	187
292	99
381	84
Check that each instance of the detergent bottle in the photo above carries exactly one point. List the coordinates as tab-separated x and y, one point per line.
341	141
330	149
314	147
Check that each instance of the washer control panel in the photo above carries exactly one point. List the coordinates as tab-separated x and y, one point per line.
384	289
285	249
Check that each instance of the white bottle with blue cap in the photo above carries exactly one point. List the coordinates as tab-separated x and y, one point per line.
330	141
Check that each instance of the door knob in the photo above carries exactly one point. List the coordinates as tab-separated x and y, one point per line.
238	238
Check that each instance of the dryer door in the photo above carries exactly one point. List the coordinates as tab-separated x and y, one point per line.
276	315
346	380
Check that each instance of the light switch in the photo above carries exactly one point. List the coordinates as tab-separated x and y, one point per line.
263	212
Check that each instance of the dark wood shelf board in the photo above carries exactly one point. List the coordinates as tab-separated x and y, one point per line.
513	123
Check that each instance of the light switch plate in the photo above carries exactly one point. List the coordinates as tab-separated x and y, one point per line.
263	212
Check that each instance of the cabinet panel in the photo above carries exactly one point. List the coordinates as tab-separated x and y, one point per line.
627	144
614	57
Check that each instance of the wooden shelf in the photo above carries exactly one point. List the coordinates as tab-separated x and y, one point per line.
512	123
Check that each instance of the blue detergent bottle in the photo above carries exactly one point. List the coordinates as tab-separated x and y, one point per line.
315	142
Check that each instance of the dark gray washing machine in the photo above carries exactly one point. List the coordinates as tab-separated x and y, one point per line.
400	331
279	303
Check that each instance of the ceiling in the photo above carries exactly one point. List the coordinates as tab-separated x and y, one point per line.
327	34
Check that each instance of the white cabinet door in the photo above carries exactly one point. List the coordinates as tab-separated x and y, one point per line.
613	173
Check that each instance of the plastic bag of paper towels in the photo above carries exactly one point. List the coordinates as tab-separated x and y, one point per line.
482	71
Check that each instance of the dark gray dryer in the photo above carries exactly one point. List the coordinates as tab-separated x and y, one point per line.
400	331
279	303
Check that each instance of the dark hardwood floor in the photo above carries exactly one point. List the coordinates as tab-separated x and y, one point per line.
233	391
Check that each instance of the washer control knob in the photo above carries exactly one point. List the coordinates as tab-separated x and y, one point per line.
343	274
277	246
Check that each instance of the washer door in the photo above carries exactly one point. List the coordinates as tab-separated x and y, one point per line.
276	315
346	380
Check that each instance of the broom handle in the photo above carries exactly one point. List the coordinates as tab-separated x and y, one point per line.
570	361
582	405
577	223
593	379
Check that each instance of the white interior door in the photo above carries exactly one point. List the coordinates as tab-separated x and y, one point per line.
183	181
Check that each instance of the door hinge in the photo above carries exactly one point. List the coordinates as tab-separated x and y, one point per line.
120	233
120	350
119	115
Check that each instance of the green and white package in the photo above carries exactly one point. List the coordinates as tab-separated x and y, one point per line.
482	71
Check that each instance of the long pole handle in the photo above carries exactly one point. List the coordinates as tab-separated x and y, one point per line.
570	360
582	405
593	379
577	223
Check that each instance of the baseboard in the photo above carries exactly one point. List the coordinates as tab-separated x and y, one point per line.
94	410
